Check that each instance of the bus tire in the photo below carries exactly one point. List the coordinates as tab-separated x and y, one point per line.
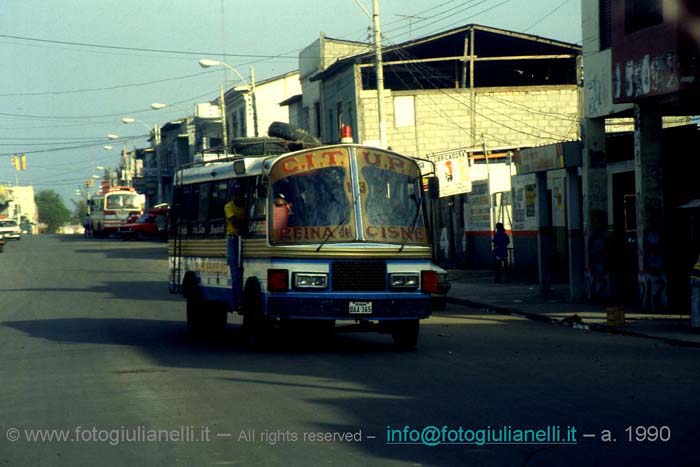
405	333
255	326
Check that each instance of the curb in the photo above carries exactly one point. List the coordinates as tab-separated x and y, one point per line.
587	327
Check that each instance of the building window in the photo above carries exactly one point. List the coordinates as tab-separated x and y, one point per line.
305	118
404	111
339	121
330	130
604	23
640	14
243	123
317	116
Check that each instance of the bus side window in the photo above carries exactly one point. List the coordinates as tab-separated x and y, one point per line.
189	207
176	213
218	199
203	202
177	202
259	207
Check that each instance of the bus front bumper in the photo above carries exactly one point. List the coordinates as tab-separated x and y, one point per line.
347	308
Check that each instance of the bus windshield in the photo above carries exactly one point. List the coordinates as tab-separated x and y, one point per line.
311	198
123	201
390	190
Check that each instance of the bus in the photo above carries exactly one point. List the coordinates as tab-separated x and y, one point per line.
335	235
113	208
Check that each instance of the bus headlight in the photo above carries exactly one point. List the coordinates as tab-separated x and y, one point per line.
305	280
403	281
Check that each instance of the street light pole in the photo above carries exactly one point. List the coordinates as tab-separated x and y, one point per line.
206	63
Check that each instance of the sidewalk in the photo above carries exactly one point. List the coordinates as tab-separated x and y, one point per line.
477	288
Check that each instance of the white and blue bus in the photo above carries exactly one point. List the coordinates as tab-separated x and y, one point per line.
335	234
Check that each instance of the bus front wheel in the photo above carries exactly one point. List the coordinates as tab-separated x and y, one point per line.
405	333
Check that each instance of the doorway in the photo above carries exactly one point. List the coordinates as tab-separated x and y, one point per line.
623	261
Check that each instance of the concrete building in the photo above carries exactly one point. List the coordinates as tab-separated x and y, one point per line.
250	109
17	202
249	114
640	60
454	97
313	59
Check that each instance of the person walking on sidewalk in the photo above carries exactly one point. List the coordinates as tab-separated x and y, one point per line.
500	250
87	225
695	297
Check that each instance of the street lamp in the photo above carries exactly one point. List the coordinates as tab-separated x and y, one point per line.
206	63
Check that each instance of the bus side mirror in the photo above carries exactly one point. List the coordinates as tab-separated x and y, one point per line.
433	188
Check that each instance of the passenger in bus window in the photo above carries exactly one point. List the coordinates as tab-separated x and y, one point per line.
281	210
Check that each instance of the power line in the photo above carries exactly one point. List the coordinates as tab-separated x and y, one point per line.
407	55
81	117
82	146
106	88
136	49
460	8
460	22
546	16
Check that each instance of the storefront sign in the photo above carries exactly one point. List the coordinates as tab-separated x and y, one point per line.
452	168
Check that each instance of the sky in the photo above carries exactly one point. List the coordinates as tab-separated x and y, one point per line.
71	69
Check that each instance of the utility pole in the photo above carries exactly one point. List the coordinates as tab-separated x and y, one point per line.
488	181
379	69
156	140
222	109
252	100
380	75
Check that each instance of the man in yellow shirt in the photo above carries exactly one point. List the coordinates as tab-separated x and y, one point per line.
235	213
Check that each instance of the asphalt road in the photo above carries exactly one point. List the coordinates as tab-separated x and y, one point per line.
94	347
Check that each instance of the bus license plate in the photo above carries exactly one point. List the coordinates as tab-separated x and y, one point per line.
360	308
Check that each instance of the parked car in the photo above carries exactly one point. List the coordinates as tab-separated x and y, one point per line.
152	224
10	229
2	242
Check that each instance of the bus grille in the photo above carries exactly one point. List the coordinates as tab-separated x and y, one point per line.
359	275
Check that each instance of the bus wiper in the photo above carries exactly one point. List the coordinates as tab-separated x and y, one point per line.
413	223
332	232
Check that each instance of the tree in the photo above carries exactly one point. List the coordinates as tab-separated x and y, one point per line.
52	211
80	210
